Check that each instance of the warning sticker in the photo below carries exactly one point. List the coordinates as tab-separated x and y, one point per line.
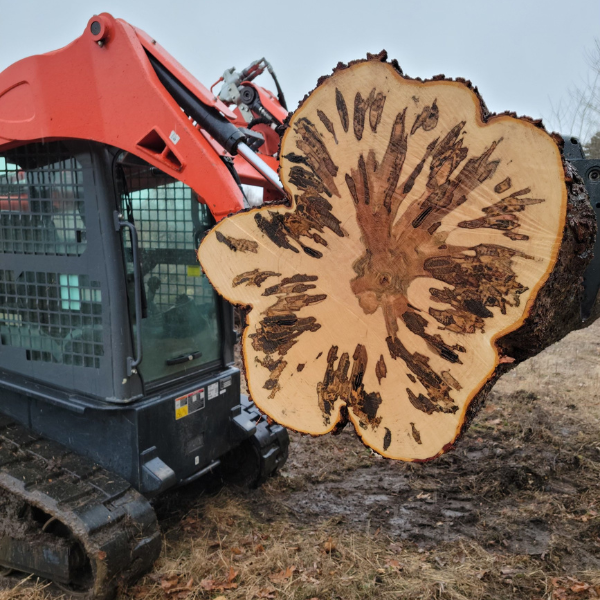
225	383
188	404
213	390
181	411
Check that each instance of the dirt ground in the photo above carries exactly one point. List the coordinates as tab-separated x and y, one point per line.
512	512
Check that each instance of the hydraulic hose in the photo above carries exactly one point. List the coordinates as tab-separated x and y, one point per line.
226	133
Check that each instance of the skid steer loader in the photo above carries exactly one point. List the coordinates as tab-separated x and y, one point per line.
117	380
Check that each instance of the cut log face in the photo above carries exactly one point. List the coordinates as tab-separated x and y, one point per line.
417	235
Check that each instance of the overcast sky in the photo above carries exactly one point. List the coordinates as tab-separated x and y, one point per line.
522	54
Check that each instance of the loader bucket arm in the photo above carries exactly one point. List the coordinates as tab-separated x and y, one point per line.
102	87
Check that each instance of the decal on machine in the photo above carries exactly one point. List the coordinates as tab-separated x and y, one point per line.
213	390
225	383
190	403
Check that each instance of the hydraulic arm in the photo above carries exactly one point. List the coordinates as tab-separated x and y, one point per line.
138	109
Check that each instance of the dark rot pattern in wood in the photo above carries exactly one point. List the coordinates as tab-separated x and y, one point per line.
501	214
281	327
446	194
485	279
236	244
376	110
447	377
512	204
313	146
427	119
338	385
373	104
424	403
415	433
312	213
287	304
328	124
503	186
361	106
255	277
297	284
380	369
275	368
505	222
340	103
387	439
278	333
439	399
515	236
417	324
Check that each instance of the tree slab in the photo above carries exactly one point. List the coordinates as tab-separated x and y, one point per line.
420	232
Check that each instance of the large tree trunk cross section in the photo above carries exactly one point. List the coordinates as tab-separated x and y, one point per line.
419	232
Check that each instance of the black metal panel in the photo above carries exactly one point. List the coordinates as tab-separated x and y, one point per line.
589	171
572	149
122	438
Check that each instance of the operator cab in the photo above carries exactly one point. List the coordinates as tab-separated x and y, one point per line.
112	340
116	354
67	284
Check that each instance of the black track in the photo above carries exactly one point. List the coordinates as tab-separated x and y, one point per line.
104	517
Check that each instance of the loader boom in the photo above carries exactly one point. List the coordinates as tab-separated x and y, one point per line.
103	87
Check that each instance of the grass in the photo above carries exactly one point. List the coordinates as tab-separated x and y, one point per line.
221	549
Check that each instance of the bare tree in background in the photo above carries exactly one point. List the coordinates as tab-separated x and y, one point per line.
592	148
579	114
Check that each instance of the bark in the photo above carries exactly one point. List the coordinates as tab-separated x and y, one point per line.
428	247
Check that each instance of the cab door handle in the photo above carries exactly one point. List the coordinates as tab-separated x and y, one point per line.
190	356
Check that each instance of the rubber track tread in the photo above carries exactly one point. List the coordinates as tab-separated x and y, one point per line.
115	524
